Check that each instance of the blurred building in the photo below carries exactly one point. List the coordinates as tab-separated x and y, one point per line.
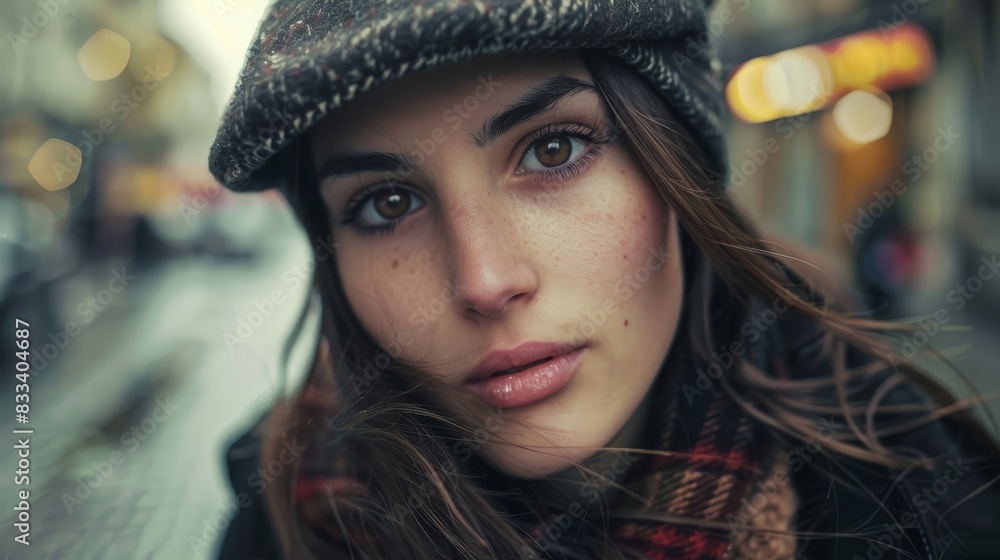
867	130
910	208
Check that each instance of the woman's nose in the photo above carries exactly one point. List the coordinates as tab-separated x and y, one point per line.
490	268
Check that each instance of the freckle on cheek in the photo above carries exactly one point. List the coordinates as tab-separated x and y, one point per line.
626	322
395	263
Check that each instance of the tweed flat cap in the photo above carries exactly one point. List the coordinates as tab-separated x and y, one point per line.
310	57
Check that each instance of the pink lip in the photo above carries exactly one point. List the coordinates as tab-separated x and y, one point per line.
530	385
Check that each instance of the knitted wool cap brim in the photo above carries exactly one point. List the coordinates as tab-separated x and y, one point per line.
312	57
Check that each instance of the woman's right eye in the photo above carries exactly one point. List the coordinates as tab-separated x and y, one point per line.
380	209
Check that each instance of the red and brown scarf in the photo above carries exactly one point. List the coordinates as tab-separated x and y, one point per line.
721	471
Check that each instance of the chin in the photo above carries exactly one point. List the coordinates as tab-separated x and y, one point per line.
530	465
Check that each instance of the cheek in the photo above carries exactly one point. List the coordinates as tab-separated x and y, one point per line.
640	224
391	289
634	283
615	231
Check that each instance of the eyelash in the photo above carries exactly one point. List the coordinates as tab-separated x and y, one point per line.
356	204
561	173
569	170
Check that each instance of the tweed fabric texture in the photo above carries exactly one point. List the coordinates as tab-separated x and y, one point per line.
311	57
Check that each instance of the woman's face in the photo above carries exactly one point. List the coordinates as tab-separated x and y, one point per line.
496	235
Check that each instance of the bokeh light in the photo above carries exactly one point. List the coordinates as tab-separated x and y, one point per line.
863	116
56	164
788	83
154	54
809	78
796	80
104	56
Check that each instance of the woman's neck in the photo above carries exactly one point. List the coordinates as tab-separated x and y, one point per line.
592	492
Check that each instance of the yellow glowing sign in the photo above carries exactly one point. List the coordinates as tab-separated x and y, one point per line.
809	78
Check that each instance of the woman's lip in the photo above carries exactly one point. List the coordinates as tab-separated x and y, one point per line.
523	354
531	385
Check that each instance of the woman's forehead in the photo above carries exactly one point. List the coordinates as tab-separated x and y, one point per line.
440	96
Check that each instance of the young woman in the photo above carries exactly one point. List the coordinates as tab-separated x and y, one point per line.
546	332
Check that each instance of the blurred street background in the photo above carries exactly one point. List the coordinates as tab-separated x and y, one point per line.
865	131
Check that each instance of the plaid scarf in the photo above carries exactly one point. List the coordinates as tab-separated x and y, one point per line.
720	470
718	494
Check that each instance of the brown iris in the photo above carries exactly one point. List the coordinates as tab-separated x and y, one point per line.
553	151
393	204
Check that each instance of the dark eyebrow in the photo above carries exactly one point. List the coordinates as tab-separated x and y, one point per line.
348	163
540	99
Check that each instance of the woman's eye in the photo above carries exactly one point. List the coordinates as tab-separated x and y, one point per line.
552	151
385	207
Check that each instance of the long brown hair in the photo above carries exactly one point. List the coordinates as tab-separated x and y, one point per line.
427	498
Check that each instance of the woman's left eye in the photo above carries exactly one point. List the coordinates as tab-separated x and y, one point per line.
559	153
382	208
